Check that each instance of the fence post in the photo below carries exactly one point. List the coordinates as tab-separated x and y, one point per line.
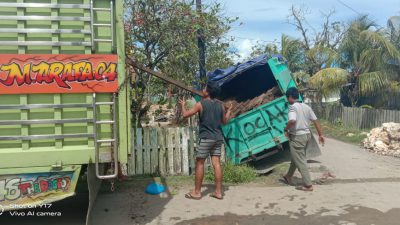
191	149
132	159
170	151
162	156
177	152
185	152
154	151
139	151
146	157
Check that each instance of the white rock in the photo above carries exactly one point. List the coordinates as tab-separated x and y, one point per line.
384	140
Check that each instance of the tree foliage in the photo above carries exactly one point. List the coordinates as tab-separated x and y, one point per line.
358	59
366	52
162	35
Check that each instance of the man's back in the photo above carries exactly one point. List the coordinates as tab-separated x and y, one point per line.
211	120
302	114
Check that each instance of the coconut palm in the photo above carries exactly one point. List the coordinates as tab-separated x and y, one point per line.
365	54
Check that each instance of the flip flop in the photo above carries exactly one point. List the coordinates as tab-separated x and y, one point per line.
190	196
285	180
213	195
302	188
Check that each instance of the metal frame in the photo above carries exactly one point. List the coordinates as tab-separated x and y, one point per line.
45	43
44	5
52	18
93	135
43	31
41	106
113	140
111	25
90	19
28	122
45	136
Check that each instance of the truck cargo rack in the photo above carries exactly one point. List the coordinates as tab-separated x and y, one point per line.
90	18
94	121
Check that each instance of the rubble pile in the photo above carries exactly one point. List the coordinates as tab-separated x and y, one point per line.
384	140
239	108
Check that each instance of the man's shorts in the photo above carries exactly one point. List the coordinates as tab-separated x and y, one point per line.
208	147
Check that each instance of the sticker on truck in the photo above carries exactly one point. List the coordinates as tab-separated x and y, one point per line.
31	73
28	190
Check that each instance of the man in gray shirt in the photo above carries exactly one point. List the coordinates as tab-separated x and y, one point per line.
299	134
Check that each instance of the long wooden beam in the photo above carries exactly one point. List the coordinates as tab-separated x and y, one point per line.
163	77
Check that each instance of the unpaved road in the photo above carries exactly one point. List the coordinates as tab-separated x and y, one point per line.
366	191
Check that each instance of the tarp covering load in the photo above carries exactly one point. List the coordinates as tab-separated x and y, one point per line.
246	85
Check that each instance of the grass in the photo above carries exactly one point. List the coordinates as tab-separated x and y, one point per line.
234	174
342	132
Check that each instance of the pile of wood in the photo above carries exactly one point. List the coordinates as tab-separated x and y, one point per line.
239	108
384	140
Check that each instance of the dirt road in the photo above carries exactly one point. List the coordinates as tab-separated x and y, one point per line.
366	191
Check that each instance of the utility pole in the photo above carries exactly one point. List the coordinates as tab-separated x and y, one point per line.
201	46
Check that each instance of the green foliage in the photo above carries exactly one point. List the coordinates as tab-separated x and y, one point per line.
162	35
366	53
340	131
234	174
329	81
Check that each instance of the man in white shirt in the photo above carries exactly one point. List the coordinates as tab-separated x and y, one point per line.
299	134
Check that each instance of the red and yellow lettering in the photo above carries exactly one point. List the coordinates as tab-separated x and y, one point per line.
14	73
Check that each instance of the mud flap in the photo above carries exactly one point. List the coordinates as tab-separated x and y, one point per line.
313	149
94	186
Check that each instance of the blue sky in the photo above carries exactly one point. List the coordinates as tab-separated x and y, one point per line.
266	20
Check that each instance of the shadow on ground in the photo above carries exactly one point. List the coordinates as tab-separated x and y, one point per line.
353	215
131	205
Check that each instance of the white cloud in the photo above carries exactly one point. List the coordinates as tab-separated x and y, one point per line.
244	49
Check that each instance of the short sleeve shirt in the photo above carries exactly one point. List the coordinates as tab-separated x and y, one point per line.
302	114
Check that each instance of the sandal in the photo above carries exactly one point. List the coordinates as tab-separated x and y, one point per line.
190	196
303	188
285	180
213	195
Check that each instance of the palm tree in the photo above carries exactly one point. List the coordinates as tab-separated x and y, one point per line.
364	53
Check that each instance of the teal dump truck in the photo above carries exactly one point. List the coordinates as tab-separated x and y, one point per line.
258	133
64	110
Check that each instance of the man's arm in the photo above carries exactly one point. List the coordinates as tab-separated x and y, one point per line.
292	117
188	113
317	125
290	124
227	114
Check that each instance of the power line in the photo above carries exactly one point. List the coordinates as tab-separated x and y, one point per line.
359	14
347	6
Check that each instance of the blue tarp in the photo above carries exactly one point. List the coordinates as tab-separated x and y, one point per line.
222	76
244	80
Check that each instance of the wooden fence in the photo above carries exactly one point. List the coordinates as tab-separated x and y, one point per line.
163	151
361	118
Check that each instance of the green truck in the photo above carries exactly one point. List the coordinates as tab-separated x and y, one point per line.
64	110
258	133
